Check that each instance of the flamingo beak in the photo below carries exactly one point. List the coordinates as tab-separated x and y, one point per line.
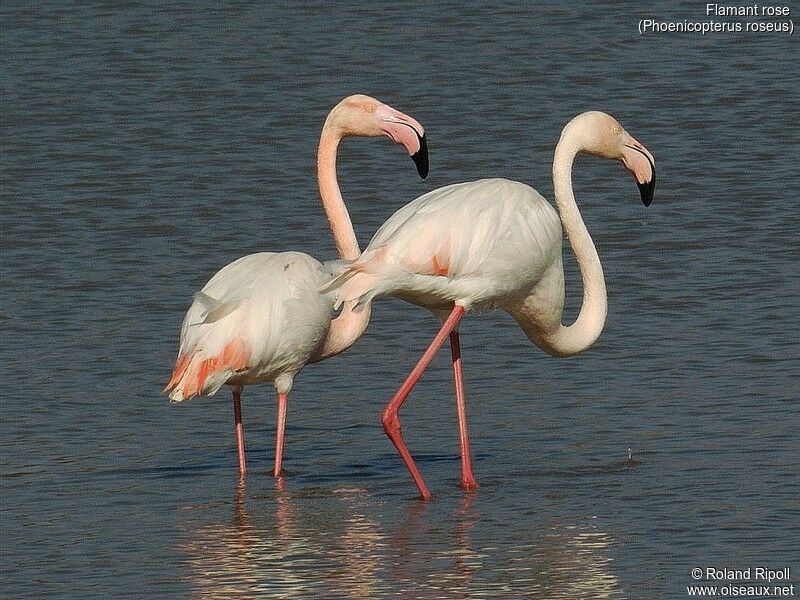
638	160
407	131
420	157
647	190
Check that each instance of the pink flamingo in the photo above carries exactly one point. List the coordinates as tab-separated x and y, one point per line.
490	244
262	318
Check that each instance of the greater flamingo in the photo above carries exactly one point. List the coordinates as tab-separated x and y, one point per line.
490	244
261	318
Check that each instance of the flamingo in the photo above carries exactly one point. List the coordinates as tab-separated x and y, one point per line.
488	244
261	318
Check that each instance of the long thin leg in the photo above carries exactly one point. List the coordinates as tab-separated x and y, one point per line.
390	420
467	477
237	415
281	430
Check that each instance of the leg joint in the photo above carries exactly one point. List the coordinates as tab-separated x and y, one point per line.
391	422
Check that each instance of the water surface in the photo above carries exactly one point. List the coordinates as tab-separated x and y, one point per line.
144	146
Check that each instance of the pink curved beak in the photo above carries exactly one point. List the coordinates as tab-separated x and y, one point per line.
638	160
407	131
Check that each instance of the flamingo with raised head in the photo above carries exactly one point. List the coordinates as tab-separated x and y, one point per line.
494	243
262	317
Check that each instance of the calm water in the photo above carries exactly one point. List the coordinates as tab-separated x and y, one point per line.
146	146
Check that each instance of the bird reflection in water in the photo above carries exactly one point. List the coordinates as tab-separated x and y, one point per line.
315	542
454	564
460	557
570	561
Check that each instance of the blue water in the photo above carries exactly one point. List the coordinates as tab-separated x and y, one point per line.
144	146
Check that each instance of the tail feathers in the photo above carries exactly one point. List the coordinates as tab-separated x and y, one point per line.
372	275
180	368
335	267
355	283
345	276
196	374
339	279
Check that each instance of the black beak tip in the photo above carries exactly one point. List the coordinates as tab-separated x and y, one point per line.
647	189
420	158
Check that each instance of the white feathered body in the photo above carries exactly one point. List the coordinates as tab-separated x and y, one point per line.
482	244
260	318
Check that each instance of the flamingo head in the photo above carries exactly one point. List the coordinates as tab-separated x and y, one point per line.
601	135
361	115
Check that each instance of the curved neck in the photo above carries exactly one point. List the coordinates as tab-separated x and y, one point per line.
344	331
331	195
349	325
579	336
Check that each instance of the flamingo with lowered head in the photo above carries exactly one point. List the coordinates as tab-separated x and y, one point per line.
494	243
262	318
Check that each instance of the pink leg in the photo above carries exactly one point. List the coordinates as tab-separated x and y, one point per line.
467	477
281	430
390	420
237	415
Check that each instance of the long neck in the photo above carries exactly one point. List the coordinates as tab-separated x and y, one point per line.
349	325
332	201
579	336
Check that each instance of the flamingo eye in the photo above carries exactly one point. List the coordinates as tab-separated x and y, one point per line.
370	108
